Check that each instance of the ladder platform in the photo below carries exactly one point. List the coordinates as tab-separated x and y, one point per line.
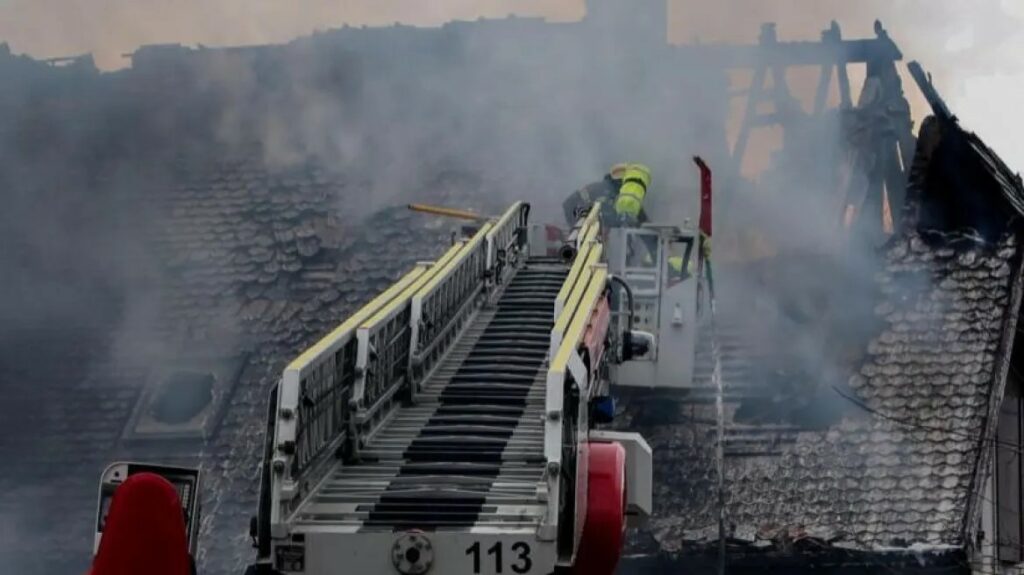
470	453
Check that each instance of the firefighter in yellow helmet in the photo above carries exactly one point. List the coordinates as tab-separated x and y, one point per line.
629	212
578	204
617	172
622	192
629	203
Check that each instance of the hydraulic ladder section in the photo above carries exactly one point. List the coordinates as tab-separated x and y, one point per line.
469	454
439	429
414	437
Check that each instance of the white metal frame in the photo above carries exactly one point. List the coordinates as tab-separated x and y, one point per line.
447	284
287	491
584	288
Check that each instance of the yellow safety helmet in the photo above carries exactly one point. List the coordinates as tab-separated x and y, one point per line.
617	171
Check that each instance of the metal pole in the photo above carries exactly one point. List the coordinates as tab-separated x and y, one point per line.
716	375
448	212
704	273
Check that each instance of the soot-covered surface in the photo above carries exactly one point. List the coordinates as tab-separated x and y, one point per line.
867	428
251	264
897	471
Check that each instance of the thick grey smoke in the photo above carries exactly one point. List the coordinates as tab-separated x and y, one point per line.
474	114
972	48
532	111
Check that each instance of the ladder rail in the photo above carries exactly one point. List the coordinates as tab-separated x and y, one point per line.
505	238
312	416
585	297
438	302
475	437
344	387
569	308
384	349
589	243
568	368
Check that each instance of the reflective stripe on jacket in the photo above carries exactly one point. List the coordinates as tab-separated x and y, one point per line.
630	201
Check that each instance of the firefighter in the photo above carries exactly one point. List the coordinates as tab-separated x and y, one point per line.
622	193
629	202
144	531
578	204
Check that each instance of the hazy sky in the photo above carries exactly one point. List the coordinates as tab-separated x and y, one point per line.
974	48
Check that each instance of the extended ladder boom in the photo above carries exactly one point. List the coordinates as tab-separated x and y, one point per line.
444	427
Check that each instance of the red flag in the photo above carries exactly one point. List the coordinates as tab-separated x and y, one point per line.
705	196
704	250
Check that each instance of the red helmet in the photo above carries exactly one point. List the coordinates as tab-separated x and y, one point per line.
145	531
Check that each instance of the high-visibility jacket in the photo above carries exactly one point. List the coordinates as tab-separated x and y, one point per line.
675	267
630	202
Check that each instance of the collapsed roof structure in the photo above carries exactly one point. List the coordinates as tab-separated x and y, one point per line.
906	458
181	228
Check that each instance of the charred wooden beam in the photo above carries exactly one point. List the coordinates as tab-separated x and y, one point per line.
924	82
830	36
793	53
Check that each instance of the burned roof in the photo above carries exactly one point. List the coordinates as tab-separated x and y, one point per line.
898	465
957	181
902	470
250	265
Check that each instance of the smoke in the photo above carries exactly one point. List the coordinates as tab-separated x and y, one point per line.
111	28
470	115
971	48
392	108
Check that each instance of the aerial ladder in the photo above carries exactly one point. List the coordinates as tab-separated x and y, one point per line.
455	424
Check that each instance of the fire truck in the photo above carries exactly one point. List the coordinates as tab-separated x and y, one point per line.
461	423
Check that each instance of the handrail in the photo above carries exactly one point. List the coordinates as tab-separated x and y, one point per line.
338	391
407	294
587	236
583	288
445	304
434	304
568	309
574	333
504	235
312	406
382	362
565	360
592	221
332	340
444	272
589	242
